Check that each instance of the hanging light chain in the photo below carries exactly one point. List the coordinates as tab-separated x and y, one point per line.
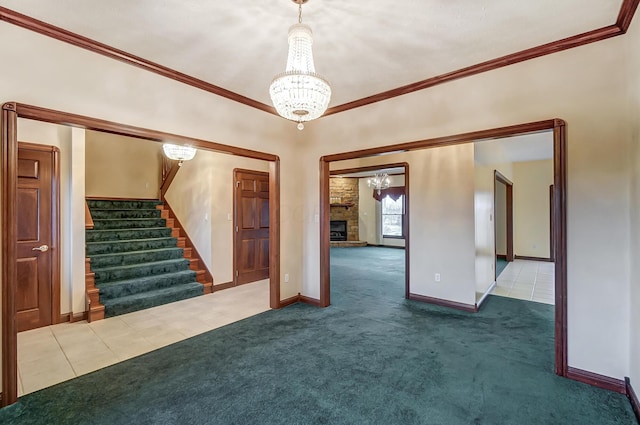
299	11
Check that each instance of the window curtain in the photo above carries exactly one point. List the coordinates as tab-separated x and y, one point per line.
394	192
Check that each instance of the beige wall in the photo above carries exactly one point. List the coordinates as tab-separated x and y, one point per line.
531	214
572	85
201	195
122	167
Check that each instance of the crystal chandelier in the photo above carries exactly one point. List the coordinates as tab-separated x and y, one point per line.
379	182
299	94
179	153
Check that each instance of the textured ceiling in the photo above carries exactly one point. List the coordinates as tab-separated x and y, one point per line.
362	48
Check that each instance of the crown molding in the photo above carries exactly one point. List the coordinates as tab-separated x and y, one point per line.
620	27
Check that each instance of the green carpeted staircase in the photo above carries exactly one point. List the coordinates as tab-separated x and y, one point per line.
136	257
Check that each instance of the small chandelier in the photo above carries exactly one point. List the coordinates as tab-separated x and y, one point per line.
179	153
299	94
379	182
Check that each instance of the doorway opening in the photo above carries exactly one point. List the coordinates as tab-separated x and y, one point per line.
368	232
512	217
9	214
558	128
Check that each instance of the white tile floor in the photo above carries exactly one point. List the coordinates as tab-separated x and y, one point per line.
49	355
527	280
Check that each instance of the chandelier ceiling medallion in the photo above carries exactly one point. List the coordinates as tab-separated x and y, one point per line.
379	182
299	94
179	153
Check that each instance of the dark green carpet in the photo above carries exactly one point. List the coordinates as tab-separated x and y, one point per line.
501	264
136	262
371	358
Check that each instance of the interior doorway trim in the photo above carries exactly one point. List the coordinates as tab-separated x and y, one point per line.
498	177
8	214
405	219
559	211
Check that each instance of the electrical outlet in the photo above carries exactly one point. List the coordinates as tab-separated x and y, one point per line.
437	277
286	277
228	216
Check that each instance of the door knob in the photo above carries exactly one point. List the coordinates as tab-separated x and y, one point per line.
41	248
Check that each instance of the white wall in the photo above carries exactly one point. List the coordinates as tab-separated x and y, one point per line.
369	210
587	87
488	157
77	202
201	195
484	227
634	299
72	239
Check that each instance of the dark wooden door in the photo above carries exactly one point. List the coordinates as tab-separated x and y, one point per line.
34	206
251	256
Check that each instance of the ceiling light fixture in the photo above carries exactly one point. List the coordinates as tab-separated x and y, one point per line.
179	153
379	182
299	94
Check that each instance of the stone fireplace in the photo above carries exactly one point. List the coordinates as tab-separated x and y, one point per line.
344	198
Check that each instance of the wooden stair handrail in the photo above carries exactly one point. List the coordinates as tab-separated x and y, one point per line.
88	220
169	170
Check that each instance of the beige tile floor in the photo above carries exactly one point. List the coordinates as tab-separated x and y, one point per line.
527	280
49	355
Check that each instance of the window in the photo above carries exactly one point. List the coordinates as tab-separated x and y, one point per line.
392	217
